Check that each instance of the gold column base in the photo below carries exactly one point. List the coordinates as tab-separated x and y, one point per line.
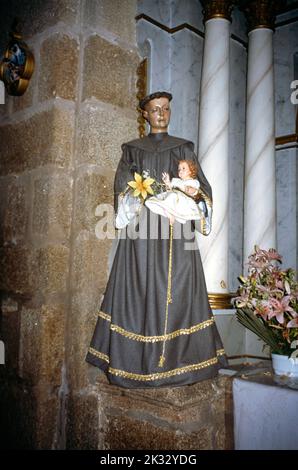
221	301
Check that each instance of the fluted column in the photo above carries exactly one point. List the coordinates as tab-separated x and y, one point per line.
259	192
213	144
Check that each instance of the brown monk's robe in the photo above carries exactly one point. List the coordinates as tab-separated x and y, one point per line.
130	335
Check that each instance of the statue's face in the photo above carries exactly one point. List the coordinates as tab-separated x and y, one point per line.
157	113
184	171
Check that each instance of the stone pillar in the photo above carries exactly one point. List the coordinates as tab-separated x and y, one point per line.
213	144
259	191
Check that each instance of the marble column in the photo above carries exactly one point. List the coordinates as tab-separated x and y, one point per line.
213	144
259	188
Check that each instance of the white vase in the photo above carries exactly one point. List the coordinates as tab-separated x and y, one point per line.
283	365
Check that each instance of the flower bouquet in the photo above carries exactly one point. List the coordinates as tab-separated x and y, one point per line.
267	302
131	200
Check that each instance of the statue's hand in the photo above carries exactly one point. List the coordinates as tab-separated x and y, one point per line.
166	178
190	191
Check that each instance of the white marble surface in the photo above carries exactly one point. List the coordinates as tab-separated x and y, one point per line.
187	11
186	61
238	340
286	192
285	48
213	149
175	66
173	12
259	197
238	60
255	346
285	45
157	9
239	24
265	416
155	44
231	332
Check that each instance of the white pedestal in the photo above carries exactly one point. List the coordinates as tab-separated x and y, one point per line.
265	416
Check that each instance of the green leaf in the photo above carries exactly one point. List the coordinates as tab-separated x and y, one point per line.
255	324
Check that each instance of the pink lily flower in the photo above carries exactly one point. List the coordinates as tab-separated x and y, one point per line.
269	290
279	307
274	255
293	323
263	309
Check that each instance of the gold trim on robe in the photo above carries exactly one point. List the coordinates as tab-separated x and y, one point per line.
163	375
100	355
157	375
105	316
154	339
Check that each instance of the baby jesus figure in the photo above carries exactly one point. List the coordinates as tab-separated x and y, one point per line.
175	203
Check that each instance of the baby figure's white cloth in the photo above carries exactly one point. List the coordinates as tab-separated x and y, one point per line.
176	203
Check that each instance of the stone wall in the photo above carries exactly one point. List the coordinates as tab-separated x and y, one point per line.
60	144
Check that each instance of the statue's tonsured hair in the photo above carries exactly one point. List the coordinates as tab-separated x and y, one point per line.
157	94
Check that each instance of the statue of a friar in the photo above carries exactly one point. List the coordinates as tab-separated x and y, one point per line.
155	327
